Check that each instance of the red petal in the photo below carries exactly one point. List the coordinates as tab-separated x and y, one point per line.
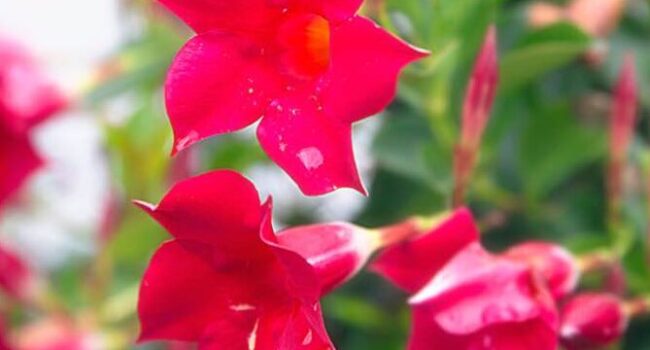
529	335
181	294
592	321
14	274
221	208
336	251
364	68
554	263
227	15
27	96
411	264
18	160
253	17
217	84
295	327
302	281
476	290
313	148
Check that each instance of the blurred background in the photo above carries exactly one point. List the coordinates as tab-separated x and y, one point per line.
541	173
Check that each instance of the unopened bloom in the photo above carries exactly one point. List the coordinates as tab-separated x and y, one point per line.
592	321
557	266
477	106
467	298
225	280
622	124
27	98
624	109
308	69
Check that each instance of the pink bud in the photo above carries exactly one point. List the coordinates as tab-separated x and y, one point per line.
557	266
336	251
624	109
591	321
481	91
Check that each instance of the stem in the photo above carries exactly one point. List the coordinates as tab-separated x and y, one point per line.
464	161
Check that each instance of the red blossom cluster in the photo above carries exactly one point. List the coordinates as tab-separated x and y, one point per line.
228	280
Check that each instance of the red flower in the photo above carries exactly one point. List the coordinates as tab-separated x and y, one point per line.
26	98
592	321
309	68
15	274
467	298
412	263
481	301
226	281
556	265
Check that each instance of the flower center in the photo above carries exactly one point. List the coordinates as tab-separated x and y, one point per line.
305	39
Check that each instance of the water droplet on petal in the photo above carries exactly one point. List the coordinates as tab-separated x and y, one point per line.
308	337
311	158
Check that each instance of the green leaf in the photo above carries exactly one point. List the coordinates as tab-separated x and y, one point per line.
554	146
542	51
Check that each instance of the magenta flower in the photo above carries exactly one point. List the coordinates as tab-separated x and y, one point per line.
308	69
592	321
481	301
226	280
558	267
467	298
27	98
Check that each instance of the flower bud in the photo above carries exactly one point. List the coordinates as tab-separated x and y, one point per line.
556	265
592	321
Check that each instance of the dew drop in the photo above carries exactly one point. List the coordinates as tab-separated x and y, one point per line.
311	158
308	338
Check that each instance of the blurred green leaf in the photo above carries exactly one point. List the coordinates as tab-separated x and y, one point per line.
554	146
541	51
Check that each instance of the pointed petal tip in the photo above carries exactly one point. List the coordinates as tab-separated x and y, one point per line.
145	206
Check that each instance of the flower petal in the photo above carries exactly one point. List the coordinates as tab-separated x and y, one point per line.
218	83
18	160
221	208
227	15
181	294
364	67
337	251
253	17
27	96
411	264
302	281
530	335
293	327
15	274
476	290
312	147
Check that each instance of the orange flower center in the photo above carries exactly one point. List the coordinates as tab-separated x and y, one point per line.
306	41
